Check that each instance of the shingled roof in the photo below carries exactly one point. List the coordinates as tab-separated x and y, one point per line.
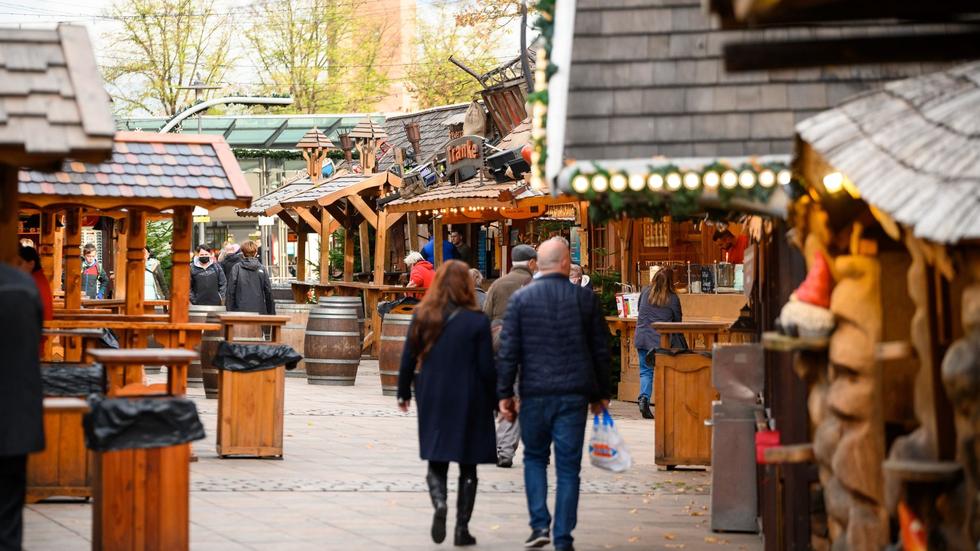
149	170
53	103
472	192
432	128
268	204
912	150
332	186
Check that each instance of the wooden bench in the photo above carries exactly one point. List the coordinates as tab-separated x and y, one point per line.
142	496
250	404
74	343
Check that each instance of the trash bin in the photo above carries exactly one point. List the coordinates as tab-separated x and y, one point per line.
738	375
250	397
142	465
64	468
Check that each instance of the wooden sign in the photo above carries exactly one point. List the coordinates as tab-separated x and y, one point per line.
465	152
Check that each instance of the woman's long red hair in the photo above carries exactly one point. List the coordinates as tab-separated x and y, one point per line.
451	287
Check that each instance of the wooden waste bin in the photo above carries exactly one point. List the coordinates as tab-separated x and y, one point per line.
65	467
142	496
250	403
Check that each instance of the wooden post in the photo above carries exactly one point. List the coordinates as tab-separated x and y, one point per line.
9	216
413	232
437	242
122	240
57	283
301	250
73	259
365	240
45	247
180	282
348	253
380	251
135	261
324	246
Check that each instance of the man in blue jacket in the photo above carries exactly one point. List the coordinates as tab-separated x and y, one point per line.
556	337
448	251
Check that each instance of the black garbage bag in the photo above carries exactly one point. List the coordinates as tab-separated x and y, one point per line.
109	339
131	423
388	306
61	379
255	357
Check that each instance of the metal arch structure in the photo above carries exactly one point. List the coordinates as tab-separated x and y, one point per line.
205	105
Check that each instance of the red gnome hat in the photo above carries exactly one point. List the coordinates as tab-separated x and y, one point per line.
815	289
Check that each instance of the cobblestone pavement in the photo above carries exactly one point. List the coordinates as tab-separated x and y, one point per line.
351	479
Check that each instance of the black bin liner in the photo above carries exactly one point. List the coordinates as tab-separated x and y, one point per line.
388	306
134	423
255	357
71	379
109	339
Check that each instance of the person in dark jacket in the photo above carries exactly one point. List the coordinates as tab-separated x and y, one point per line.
555	333
449	251
658	302
249	288
449	358
229	257
22	428
207	278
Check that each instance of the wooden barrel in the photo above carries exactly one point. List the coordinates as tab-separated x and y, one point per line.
282	291
333	346
209	347
294	332
347	302
394	330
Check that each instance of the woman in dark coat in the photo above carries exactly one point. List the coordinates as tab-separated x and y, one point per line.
449	357
658	302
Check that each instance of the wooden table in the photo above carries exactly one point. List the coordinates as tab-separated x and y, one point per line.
229	320
118	363
75	343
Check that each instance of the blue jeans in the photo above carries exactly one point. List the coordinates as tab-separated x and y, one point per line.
646	375
560	419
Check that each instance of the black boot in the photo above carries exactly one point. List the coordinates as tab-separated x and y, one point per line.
439	494
644	404
464	510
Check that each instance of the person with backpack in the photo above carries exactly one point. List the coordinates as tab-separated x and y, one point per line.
249	288
207	279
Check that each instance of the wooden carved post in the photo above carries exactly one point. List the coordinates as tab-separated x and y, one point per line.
437	242
301	250
180	286
135	262
9	217
365	241
73	259
380	248
413	232
45	247
349	251
122	243
324	246
850	442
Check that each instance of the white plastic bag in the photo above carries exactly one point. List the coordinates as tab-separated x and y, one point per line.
606	448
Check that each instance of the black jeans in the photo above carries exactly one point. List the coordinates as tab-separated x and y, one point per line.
13	487
442	469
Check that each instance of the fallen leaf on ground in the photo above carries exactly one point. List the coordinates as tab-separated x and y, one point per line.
669	536
710	539
495	527
632	511
633	539
674	545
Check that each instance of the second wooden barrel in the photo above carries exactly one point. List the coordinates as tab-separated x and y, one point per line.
394	331
294	332
347	302
195	371
333	346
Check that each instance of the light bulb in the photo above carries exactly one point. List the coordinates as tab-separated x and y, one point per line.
600	183
580	183
729	179
618	182
655	182
711	179
746	179
833	182
691	180
673	181
637	181
784	177
767	178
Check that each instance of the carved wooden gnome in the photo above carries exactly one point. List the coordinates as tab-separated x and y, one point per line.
807	314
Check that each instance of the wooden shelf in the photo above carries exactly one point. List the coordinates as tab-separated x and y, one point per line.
791	453
910	470
772	340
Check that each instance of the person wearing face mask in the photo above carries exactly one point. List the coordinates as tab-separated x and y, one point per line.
207	279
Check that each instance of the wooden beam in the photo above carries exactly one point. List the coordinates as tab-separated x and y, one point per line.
337	212
348	254
73	259
136	261
908	48
301	252
369	215
119	269
288	220
45	248
365	240
393	218
180	287
309	218
9	214
325	220
57	281
380	252
437	242
413	231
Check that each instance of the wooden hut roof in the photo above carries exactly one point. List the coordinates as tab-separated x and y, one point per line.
472	192
334	187
53	103
520	135
314	139
149	170
268	204
432	128
368	129
912	149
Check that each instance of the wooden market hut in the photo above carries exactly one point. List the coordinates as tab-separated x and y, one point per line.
893	203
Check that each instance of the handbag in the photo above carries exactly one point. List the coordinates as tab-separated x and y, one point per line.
607	450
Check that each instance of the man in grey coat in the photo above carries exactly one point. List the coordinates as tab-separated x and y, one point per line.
249	288
524	262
